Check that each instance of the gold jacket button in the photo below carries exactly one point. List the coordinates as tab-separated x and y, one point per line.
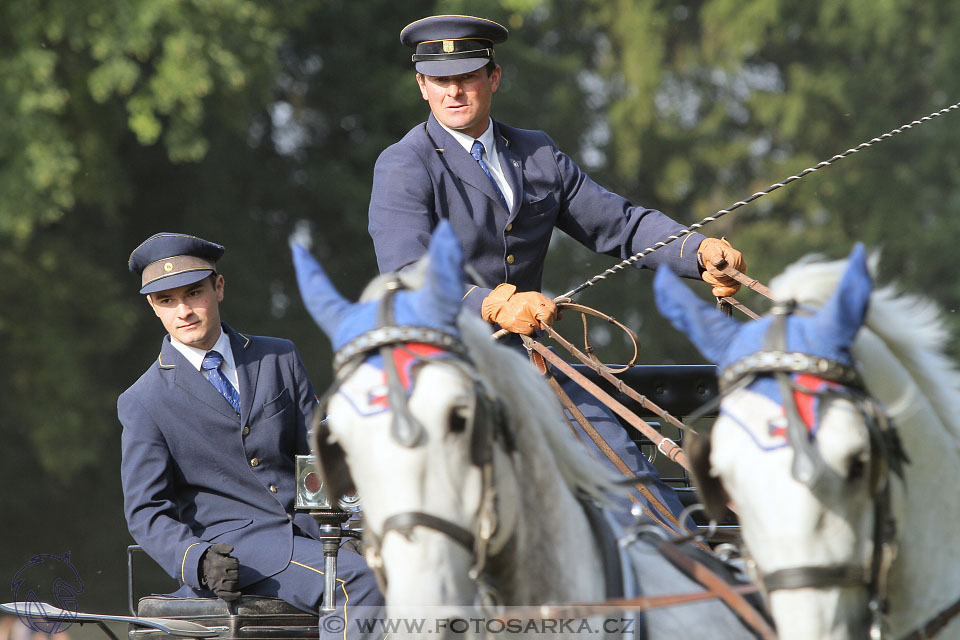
509	227
273	489
510	259
254	462
246	431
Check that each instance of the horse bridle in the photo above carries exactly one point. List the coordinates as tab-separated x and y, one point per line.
489	428
808	467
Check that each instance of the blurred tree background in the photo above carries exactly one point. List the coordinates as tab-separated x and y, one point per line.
244	121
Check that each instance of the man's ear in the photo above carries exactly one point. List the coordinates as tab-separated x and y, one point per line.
219	287
423	88
495	79
149	298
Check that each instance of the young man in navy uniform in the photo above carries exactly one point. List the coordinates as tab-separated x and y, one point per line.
210	432
504	190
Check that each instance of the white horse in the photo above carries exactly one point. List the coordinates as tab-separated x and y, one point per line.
472	485
809	504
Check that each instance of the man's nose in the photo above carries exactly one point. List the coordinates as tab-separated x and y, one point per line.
454	89
184	310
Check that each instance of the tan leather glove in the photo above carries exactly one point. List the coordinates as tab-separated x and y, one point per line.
523	312
713	251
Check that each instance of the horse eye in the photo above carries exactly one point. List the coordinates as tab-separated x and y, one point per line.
856	468
459	416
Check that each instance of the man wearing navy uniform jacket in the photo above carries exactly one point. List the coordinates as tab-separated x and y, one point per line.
210	432
504	190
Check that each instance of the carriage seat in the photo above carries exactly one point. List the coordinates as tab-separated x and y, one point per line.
249	618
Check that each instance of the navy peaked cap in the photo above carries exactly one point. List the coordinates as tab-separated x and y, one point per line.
170	260
451	45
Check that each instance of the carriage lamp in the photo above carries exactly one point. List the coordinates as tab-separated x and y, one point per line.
331	518
310	496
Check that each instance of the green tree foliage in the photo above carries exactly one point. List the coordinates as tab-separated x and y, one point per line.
704	103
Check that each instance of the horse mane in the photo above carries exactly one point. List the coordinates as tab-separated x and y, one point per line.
910	325
533	410
534	414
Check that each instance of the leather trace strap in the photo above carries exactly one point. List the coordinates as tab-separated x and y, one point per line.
710	580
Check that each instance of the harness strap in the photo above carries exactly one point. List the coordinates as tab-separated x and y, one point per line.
807	466
935	624
607	547
737	603
404	524
607	374
815	577
639	603
404	427
617	461
665	445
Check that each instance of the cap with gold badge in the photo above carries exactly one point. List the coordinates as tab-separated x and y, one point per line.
170	260
451	45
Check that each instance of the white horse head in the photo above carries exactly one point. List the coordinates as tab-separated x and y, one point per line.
439	471
809	488
470	477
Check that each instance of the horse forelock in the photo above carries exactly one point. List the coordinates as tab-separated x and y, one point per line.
412	278
910	325
533	412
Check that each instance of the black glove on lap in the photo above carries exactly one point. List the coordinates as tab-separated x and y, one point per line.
219	570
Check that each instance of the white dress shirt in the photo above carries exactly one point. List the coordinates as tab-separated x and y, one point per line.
492	157
195	357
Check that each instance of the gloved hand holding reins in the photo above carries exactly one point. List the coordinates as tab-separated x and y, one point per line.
219	571
518	312
714	251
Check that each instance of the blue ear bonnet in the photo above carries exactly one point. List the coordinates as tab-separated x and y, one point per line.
827	333
434	306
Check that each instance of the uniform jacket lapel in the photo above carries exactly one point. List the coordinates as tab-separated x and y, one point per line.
512	168
248	370
187	378
460	161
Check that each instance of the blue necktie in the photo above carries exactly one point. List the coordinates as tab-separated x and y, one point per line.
477	152
211	363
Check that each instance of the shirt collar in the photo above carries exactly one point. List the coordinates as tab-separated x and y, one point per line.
195	356
467	141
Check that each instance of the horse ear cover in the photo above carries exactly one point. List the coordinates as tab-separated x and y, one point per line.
846	310
442	293
435	305
709	330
